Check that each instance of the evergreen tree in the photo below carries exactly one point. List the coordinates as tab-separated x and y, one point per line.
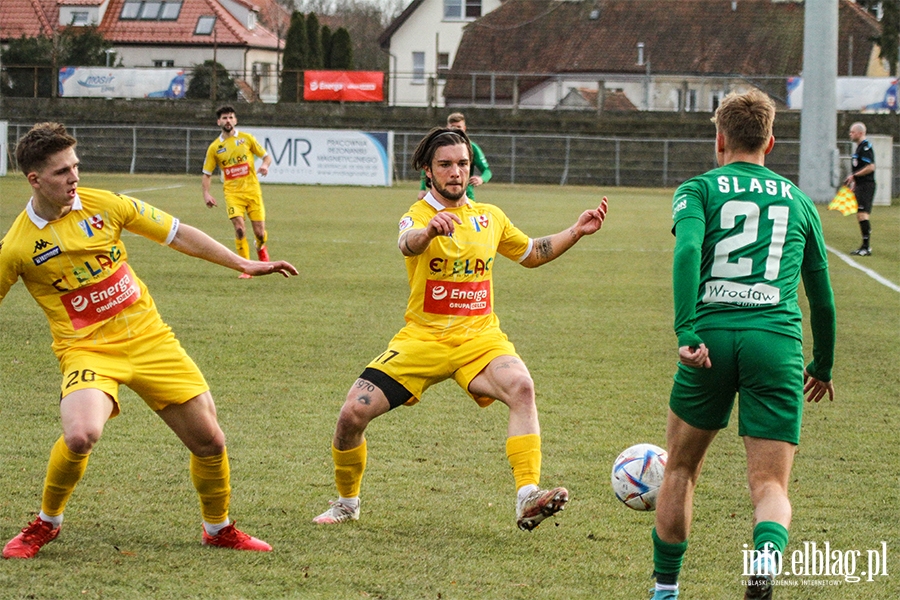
82	47
314	42
890	31
200	86
294	60
341	50
326	47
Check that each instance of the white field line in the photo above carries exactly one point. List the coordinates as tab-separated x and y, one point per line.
874	275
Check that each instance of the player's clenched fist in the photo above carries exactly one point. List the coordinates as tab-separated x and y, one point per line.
443	223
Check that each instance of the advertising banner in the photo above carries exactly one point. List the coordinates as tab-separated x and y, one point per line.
344	86
105	82
859	94
327	156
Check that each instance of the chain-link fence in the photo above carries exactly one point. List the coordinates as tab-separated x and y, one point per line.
553	159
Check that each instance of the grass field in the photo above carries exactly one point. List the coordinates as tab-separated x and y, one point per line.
438	514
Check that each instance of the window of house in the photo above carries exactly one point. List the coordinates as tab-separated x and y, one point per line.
687	100
170	11
130	10
418	60
150	11
80	18
462	9
163	63
690	101
443	65
453	9
205	26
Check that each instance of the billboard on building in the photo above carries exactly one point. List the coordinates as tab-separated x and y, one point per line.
105	82
343	86
858	94
327	156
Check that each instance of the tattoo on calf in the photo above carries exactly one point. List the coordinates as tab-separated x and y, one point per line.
364	385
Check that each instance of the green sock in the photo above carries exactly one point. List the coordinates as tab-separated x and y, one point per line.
667	559
771	533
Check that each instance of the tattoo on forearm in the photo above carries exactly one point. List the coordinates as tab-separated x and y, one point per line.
543	248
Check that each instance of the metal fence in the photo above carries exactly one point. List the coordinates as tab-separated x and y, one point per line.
546	159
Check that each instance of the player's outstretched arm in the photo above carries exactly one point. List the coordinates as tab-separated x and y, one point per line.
193	242
553	246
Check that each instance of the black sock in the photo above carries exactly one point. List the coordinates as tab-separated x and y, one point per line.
866	228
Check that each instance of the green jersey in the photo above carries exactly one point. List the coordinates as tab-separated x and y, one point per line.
761	234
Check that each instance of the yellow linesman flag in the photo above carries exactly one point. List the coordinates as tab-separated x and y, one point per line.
844	201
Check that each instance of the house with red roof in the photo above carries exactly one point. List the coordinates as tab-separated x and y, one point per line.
422	43
169	33
678	55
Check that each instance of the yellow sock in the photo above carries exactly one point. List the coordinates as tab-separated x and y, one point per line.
211	477
64	471
261	241
524	454
243	248
349	466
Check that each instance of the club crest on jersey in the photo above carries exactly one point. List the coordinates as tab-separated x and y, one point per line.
97	222
240	142
86	228
480	222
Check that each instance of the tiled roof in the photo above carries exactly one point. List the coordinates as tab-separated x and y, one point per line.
41	17
80	2
228	30
682	37
28	18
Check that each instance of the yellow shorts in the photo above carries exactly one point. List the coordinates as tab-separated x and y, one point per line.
417	360
249	204
154	365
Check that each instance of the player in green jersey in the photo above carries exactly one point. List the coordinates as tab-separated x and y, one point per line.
744	238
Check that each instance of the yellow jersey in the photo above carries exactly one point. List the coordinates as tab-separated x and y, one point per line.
234	157
76	267
451	286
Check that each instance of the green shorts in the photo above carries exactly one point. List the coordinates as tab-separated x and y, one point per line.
416	360
765	371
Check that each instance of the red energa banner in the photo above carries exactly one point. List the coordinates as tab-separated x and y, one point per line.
344	86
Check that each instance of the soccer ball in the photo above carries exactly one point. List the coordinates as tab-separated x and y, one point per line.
637	474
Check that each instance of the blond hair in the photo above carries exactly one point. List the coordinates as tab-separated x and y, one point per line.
745	120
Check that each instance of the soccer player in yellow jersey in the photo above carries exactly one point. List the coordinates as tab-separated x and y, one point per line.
66	246
233	152
450	244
